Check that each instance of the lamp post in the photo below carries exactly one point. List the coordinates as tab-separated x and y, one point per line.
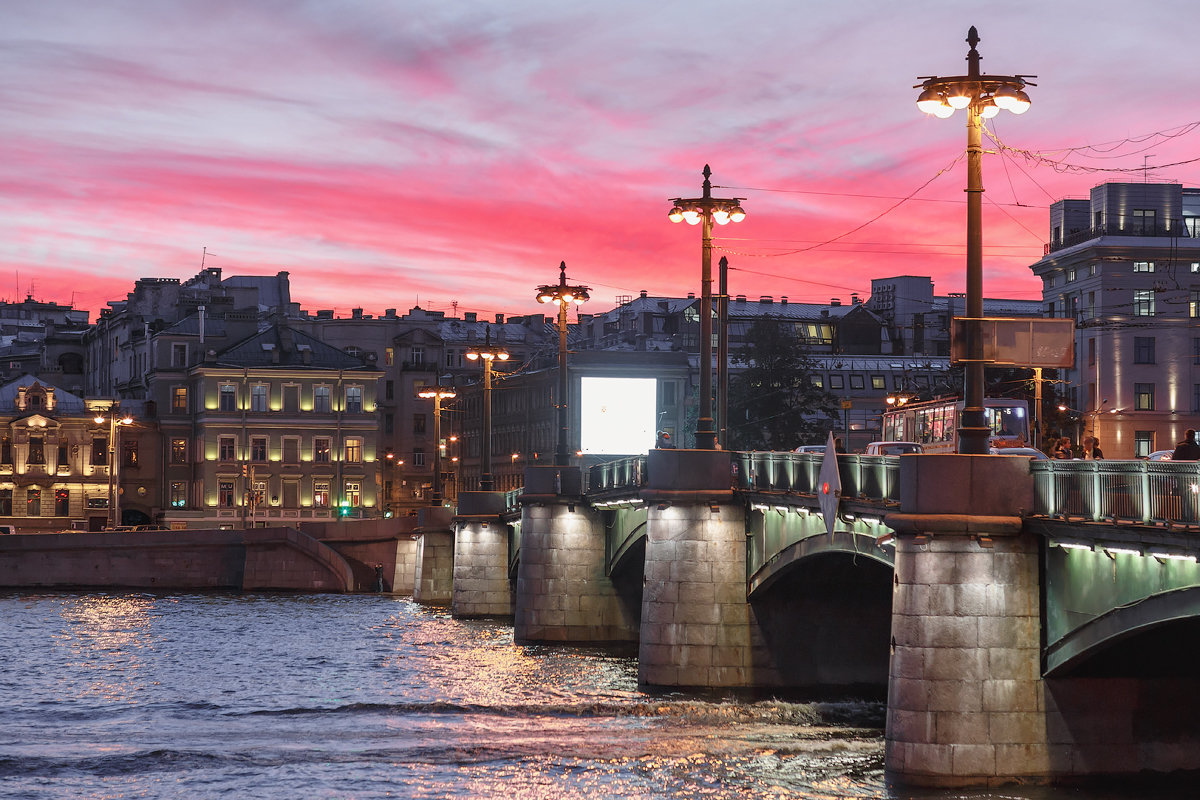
438	393
706	210
115	424
487	354
563	296
983	96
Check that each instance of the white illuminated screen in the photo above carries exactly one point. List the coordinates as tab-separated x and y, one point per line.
617	415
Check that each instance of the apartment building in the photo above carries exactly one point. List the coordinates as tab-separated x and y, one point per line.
1125	264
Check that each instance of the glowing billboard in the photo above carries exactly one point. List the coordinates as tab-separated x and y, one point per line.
617	415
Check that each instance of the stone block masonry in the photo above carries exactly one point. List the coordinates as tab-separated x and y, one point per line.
562	591
696	621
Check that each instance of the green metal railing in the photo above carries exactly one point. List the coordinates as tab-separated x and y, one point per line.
863	477
512	500
1149	492
626	473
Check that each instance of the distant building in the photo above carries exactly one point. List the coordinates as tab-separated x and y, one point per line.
276	428
60	468
1125	264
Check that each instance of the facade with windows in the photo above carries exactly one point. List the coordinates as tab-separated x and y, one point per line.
1125	265
275	429
61	469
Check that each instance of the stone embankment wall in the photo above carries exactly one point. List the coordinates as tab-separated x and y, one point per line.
257	559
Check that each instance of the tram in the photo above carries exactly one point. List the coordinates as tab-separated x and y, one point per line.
934	423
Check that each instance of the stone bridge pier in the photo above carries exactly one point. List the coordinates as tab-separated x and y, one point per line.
964	690
563	591
481	554
969	700
697	628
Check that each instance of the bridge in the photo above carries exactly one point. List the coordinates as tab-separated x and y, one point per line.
1026	620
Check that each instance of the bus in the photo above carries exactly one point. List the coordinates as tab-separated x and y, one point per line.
934	423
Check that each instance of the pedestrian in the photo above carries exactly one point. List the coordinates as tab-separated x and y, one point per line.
1097	453
1050	446
1187	450
379	577
1063	449
838	447
664	441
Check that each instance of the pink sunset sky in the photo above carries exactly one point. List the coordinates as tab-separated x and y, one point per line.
452	153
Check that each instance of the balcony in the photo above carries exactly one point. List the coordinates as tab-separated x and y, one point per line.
1175	229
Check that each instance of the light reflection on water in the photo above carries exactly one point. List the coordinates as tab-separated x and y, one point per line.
283	696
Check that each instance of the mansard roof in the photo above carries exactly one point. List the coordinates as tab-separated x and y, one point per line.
282	347
64	401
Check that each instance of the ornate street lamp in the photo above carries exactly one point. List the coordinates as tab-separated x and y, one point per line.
438	394
706	210
116	421
487	354
562	295
983	96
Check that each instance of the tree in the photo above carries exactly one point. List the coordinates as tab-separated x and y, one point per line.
773	402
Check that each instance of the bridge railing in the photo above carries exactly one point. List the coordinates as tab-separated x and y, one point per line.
625	473
1143	491
865	477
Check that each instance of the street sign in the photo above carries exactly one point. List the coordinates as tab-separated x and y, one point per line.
1019	342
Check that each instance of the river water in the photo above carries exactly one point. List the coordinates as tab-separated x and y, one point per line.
130	695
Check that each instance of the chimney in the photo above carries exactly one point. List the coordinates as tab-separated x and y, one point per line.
389	313
691	295
835	301
499	319
643	292
325	313
469	316
854	301
741	298
766	298
783	300
356	313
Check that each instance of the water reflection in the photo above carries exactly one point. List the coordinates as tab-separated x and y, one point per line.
284	696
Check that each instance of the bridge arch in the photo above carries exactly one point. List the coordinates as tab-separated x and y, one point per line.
823	611
1160	632
855	545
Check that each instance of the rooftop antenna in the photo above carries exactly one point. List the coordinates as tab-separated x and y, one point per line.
1145	169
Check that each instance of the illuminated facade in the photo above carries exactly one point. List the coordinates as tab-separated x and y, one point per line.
279	427
60	468
1125	264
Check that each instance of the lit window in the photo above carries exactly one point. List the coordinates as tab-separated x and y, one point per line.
354	451
1143	302
179	399
321	449
179	451
1143	266
321	494
1143	396
178	494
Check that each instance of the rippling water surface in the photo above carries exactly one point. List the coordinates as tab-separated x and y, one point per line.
284	696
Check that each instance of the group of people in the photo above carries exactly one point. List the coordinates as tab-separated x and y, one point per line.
1062	448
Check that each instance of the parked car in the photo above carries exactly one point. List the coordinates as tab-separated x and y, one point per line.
8	529
893	448
810	448
1160	455
1030	452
